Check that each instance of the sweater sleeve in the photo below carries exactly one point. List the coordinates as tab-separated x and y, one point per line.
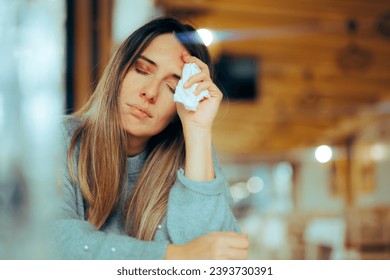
197	208
74	238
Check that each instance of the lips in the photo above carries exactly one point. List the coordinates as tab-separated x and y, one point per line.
141	110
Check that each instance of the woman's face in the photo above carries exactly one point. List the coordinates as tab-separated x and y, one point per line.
146	95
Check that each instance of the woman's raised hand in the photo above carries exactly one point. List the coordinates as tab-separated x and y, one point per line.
204	116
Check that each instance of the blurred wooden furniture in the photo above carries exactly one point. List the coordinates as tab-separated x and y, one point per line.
368	232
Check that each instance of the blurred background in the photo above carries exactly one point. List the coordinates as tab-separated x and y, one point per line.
303	133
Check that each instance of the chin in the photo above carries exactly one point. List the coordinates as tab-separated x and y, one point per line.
139	133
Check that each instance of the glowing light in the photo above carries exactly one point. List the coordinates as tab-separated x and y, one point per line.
378	152
255	184
239	191
323	153
206	35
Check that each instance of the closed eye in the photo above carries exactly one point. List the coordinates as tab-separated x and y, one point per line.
171	88
140	71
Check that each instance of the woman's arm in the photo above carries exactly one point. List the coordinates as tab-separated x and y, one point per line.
199	218
76	239
197	125
196	208
199	163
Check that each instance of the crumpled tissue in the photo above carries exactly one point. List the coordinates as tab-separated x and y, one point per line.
186	95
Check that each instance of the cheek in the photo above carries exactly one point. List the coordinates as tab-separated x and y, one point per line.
167	106
171	112
129	85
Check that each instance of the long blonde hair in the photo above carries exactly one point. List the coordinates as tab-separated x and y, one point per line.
101	162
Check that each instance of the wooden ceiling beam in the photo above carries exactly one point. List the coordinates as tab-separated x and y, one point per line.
282	7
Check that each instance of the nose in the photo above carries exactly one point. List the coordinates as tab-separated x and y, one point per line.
150	92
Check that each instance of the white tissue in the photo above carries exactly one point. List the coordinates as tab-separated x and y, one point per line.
186	95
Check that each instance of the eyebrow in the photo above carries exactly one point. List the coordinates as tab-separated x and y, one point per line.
155	64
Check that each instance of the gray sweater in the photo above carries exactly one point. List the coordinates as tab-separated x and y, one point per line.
194	209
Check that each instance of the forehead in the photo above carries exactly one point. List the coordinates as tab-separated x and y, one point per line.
163	48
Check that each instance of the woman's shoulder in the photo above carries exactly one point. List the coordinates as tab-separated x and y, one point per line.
69	124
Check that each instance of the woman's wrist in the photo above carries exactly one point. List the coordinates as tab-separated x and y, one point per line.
193	132
196	127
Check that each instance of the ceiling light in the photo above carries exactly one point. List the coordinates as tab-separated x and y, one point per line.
323	153
206	35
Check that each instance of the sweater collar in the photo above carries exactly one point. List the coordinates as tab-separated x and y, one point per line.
135	163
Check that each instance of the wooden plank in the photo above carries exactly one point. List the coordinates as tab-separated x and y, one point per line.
82	56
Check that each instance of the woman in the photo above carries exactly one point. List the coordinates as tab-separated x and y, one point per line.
141	181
